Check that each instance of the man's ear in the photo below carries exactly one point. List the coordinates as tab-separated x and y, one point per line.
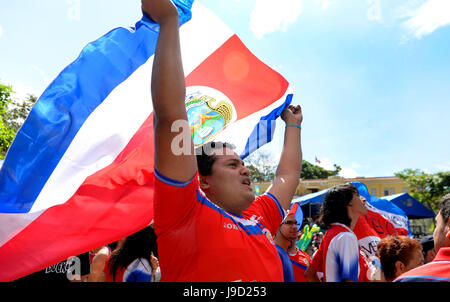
399	267
203	182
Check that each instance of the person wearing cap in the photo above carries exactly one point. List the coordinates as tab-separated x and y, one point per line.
437	270
287	232
428	250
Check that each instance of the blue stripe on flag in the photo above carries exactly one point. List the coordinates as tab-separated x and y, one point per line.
264	129
66	104
379	203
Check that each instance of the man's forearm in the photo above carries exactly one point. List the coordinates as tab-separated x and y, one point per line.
168	82
290	164
288	171
168	95
311	275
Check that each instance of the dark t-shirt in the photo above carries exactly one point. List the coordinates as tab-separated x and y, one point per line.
59	272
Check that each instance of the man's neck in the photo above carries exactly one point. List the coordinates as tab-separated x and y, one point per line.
224	205
353	224
354	220
282	241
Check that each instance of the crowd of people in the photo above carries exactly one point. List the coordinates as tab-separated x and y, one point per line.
334	257
209	225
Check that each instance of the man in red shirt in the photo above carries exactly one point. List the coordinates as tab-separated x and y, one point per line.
286	238
300	262
437	270
209	225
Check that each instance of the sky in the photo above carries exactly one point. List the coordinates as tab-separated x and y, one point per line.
372	76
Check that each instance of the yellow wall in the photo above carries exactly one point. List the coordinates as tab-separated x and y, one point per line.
375	185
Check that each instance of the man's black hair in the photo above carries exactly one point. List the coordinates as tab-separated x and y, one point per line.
138	245
334	207
206	158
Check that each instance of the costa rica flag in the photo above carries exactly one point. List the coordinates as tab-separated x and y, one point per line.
383	218
80	171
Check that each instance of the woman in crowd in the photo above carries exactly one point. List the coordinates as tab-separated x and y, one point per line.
136	260
399	254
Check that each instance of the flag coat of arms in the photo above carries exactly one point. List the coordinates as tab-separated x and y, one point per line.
79	173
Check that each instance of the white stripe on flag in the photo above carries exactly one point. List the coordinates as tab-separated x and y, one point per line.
114	122
111	126
12	224
399	221
201	36
101	138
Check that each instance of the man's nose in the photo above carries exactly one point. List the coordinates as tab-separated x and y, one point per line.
245	171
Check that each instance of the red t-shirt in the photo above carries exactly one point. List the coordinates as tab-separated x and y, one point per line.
198	241
300	262
437	270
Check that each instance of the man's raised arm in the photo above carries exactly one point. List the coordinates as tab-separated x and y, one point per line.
288	171
168	94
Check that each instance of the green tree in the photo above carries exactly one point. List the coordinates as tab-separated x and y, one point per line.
6	133
262	168
12	115
426	188
310	171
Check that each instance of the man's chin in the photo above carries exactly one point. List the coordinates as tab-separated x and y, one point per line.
252	196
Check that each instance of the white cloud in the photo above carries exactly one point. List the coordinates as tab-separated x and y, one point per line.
444	167
373	10
1	31
325	4
41	72
325	163
355	165
21	90
427	18
270	16
73	10
348	173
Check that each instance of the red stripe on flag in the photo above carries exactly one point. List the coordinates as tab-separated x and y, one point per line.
242	77
111	204
373	224
117	200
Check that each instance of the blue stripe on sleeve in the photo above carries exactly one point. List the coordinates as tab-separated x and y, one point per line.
172	182
299	265
348	269
280	208
422	278
138	276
